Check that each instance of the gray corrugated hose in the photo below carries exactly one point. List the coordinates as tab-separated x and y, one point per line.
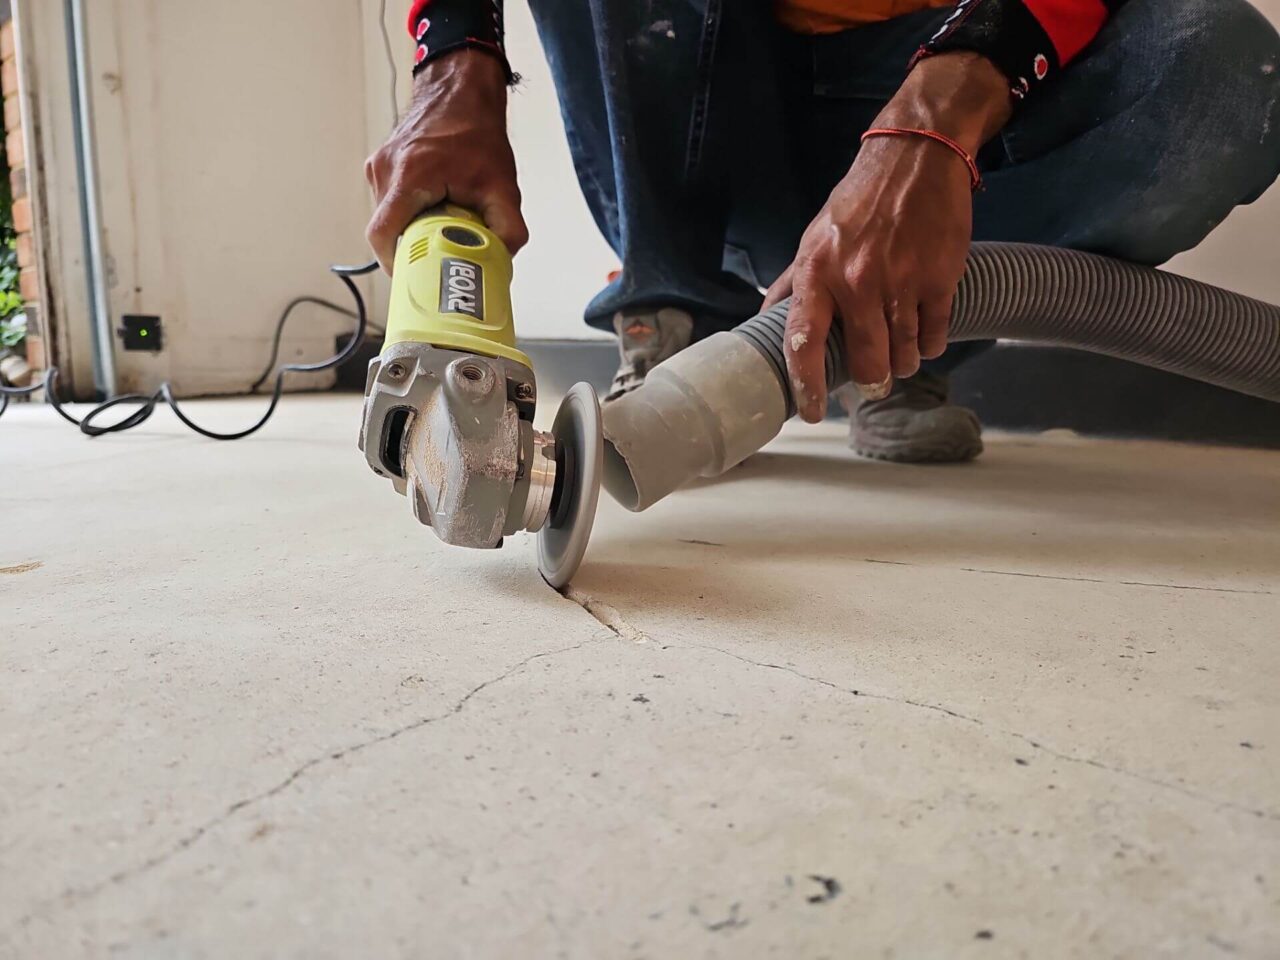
714	404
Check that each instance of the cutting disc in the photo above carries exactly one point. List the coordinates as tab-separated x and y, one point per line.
579	466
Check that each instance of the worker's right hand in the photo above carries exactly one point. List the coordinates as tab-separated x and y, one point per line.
451	144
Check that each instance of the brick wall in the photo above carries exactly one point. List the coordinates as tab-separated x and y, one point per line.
22	217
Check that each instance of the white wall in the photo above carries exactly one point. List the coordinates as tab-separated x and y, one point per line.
230	142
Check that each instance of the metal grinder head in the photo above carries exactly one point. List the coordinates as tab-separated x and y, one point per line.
453	431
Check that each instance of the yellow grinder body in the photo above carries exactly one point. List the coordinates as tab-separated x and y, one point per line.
451	287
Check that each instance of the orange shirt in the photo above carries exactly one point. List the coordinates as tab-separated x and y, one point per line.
831	16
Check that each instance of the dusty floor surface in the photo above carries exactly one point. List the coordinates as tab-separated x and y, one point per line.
839	709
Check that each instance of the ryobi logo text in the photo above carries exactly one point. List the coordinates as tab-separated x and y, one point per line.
462	287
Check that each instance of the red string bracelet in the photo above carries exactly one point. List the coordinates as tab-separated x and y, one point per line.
975	177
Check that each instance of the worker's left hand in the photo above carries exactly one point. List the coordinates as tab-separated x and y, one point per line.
887	251
885	254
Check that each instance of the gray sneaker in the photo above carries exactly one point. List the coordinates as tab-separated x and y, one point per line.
914	424
645	339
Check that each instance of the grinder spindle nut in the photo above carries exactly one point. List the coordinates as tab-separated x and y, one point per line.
541	471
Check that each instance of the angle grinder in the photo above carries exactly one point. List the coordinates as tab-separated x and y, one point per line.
449	404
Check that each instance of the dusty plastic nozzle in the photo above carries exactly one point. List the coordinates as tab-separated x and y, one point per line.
697	414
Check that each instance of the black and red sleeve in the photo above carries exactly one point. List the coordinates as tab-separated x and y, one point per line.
1028	40
439	27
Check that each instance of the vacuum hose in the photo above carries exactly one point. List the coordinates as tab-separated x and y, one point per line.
711	406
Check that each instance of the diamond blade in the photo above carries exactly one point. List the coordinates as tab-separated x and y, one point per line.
562	542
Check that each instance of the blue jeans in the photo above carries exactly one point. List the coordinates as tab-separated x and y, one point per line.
705	138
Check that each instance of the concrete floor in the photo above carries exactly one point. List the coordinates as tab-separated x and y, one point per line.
821	708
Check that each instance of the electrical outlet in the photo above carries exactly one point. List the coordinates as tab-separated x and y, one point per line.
140	333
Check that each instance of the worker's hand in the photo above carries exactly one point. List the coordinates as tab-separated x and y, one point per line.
451	144
887	251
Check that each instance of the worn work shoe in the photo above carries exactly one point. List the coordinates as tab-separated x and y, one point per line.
645	339
914	424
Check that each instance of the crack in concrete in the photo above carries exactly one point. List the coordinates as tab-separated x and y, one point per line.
1051	576
835	686
23	567
607	615
74	895
1035	744
610	617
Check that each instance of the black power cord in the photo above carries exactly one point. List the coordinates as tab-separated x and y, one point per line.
284	315
147	402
